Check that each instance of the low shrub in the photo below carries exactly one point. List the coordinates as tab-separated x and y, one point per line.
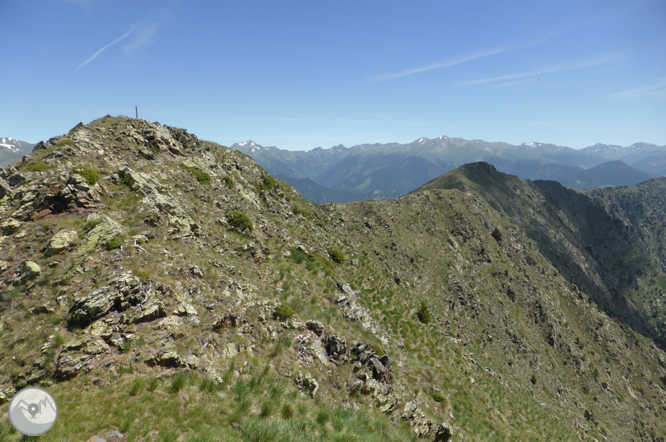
267	183
199	174
115	242
298	210
239	222
424	313
337	255
89	225
229	182
283	312
437	396
91	175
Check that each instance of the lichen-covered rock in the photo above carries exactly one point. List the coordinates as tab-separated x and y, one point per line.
170	323
60	242
121	293
29	271
105	231
185	309
307	383
89	308
310	348
350	304
150	313
69	366
229	351
10	226
100	329
140	182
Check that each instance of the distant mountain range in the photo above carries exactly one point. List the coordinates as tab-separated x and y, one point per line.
378	171
12	150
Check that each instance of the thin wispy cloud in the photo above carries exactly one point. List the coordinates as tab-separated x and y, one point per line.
145	35
445	64
466	58
556	68
123	37
656	90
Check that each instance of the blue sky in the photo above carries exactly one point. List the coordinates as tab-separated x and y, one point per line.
302	74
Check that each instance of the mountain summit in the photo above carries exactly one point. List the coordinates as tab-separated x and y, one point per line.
12	150
173	289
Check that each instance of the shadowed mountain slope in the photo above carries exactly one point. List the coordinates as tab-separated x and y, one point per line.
585	238
613	173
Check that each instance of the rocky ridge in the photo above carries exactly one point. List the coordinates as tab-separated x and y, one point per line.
134	254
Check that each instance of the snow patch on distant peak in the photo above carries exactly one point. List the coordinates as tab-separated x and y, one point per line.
251	144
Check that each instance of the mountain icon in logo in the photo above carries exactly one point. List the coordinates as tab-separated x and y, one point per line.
33	411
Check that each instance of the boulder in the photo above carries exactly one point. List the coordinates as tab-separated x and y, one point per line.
140	182
106	230
29	271
89	308
5	188
443	432
229	321
150	313
69	366
336	347
10	226
60	242
185	309
307	383
166	358
17	179
170	323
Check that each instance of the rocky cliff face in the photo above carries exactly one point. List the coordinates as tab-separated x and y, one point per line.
172	289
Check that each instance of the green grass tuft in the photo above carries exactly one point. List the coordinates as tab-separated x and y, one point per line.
177	383
65	142
37	166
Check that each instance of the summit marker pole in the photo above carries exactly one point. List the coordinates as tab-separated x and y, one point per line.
136	108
